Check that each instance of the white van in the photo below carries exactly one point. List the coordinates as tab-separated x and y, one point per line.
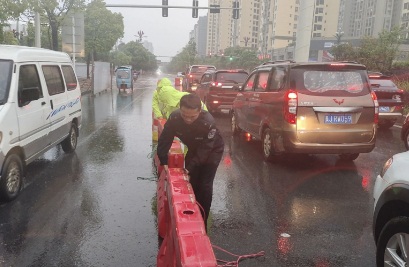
40	107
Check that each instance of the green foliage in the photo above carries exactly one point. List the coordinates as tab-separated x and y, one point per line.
376	53
400	65
343	52
9	38
134	54
54	11
234	57
183	59
119	58
102	29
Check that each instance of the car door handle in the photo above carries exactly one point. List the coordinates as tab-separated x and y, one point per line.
43	103
52	106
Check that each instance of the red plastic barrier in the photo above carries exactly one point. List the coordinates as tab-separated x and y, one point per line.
178	81
161	125
187	244
175	160
176	157
161	205
155	123
195	250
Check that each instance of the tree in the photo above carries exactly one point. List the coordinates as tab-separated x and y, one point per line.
55	11
141	58
344	52
378	54
9	10
102	28
184	58
119	58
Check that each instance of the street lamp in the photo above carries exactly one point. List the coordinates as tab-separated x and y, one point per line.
140	36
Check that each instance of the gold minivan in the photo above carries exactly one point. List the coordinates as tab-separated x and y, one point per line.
311	108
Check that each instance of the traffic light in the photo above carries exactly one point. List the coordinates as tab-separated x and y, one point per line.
231	58
164	9
195	11
236	10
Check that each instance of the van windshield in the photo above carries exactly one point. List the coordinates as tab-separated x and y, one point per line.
5	73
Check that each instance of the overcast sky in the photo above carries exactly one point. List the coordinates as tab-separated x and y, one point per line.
168	35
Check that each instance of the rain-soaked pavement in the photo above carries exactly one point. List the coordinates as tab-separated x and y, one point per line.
95	207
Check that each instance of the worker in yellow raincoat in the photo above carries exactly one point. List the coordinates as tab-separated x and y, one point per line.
169	97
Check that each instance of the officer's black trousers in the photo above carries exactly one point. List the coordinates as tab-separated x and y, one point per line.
201	179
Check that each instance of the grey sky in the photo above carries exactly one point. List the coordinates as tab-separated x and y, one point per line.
168	35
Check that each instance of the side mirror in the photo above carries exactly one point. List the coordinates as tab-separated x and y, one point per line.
29	94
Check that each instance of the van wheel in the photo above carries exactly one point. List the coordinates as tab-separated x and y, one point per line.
268	145
234	127
70	143
12	178
391	249
349	157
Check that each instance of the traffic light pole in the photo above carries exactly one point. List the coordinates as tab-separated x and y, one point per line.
153	6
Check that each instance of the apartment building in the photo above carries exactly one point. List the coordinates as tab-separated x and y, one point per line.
370	17
219	28
199	35
223	31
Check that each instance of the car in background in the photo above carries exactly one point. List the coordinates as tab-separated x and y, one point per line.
192	76
390	99
391	212
218	88
308	108
179	74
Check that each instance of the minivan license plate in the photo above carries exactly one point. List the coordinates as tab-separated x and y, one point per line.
383	109
338	119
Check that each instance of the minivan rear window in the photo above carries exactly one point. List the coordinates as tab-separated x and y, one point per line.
231	77
382	83
201	69
331	82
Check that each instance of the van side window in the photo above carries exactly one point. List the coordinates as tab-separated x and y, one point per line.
262	82
250	82
53	79
278	79
69	77
28	78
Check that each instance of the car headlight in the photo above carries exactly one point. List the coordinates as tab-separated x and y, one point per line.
386	166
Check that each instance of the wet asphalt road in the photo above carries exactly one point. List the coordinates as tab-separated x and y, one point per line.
94	207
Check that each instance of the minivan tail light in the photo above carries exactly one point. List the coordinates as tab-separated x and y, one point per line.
216	84
290	107
376	105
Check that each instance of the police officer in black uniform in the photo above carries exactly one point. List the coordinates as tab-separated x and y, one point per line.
197	130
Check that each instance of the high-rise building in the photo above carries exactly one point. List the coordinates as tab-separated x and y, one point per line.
199	35
370	17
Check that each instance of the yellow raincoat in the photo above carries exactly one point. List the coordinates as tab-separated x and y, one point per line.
170	97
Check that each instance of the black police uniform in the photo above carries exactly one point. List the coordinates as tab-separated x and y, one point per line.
205	150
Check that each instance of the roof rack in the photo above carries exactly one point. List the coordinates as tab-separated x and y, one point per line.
278	61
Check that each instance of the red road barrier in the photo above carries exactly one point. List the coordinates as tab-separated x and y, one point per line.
161	125
186	242
178	81
175	160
